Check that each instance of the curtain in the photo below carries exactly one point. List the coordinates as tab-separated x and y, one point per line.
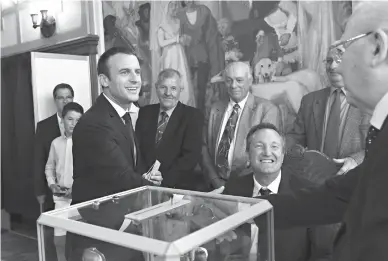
17	136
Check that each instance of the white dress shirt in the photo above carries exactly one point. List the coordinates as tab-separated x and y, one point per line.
134	112
120	111
61	125
227	114
380	113
274	188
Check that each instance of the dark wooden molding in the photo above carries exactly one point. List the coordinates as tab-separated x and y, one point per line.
86	45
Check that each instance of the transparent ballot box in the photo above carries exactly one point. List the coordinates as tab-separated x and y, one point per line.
153	223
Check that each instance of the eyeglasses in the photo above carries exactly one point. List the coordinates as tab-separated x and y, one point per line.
337	50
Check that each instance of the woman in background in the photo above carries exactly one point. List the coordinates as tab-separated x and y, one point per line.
172	52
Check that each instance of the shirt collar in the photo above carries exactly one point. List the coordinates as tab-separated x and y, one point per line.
332	89
120	111
380	112
59	119
134	108
273	187
169	112
241	103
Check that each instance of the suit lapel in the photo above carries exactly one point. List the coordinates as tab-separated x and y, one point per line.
351	128
242	130
219	115
319	108
55	124
242	186
284	186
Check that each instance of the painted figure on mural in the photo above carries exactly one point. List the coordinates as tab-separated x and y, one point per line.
204	52
172	55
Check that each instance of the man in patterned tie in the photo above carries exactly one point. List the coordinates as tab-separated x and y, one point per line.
359	198
171	132
229	123
265	150
327	123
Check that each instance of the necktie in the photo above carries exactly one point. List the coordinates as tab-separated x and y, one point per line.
222	163
372	134
264	191
162	124
128	124
330	147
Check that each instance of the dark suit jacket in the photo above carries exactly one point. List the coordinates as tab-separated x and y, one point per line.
256	110
103	160
358	199
308	126
46	131
179	150
293	244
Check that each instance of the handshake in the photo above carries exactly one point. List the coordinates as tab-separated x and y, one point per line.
153	175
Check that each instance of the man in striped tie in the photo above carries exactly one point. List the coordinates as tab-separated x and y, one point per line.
326	122
171	132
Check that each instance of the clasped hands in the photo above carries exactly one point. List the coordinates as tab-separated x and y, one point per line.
60	191
154	176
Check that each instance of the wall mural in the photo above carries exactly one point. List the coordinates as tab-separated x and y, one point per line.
198	38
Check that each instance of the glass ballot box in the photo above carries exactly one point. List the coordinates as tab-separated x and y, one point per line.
153	223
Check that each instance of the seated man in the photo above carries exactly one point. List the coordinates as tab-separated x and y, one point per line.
229	123
171	133
265	149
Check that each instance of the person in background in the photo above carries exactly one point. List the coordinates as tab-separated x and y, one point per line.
46	131
59	169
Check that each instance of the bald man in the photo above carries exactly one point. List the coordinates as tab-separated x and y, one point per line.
229	123
358	199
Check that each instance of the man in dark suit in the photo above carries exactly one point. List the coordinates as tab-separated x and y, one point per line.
171	133
46	131
358	199
229	123
105	152
327	123
265	149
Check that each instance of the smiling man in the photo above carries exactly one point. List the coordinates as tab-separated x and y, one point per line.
171	132
265	150
229	123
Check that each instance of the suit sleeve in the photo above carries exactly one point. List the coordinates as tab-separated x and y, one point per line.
190	151
207	161
297	135
321	241
313	206
271	114
107	164
39	162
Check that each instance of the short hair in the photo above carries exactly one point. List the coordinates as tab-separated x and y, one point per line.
246	64
62	86
168	74
72	106
263	126
102	65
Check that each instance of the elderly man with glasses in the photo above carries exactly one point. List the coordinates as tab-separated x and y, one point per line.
359	198
326	122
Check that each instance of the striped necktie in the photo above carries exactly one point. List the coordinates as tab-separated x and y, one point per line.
330	147
161	127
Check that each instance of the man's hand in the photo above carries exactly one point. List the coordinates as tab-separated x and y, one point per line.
154	177
349	163
41	199
55	188
218	191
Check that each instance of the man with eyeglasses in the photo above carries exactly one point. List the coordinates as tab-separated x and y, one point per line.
326	122
359	198
46	131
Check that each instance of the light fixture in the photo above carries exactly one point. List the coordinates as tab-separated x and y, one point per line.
47	24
